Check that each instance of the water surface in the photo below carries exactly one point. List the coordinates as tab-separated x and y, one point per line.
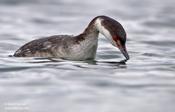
146	83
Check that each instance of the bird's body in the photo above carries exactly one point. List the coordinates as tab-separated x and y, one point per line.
80	47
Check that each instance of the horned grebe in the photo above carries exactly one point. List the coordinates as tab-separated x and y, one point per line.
80	47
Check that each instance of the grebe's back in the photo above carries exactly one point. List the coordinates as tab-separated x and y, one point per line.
60	46
43	47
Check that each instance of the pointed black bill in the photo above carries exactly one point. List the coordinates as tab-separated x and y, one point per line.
124	52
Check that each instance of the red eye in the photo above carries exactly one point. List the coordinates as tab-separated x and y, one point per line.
115	38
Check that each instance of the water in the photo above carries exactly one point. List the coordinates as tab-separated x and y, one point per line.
146	83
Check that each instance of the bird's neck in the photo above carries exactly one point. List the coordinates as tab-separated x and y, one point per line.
91	32
94	28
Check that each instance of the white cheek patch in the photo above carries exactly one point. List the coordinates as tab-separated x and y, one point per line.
104	31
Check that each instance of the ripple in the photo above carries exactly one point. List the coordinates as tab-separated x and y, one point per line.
152	55
9	69
159	23
164	43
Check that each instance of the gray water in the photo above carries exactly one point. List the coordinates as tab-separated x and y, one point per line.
146	83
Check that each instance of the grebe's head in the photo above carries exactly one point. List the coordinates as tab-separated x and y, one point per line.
113	31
